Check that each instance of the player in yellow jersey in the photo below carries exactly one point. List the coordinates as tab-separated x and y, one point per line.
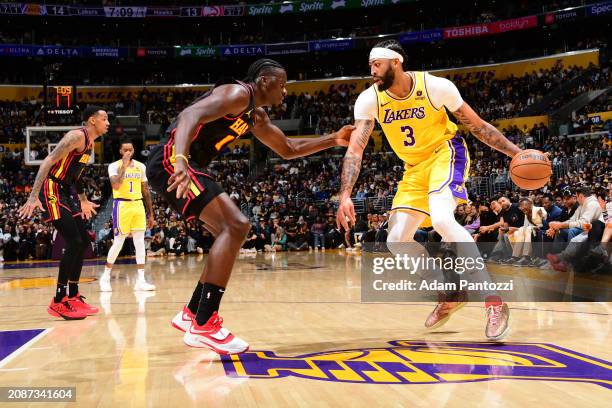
411	109
129	181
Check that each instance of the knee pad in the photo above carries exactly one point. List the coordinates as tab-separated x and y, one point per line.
115	249
403	226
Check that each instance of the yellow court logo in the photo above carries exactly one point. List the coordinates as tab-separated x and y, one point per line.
420	362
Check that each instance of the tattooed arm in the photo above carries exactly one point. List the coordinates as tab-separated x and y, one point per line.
351	166
484	131
71	141
146	196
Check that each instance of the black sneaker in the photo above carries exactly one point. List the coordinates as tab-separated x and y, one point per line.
524	261
509	261
538	262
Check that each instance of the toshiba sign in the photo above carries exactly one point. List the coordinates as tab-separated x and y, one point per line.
475	30
466	31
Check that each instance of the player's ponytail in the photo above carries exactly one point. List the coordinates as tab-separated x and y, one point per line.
261	67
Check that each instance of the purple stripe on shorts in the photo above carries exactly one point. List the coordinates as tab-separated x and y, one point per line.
115	215
461	162
451	171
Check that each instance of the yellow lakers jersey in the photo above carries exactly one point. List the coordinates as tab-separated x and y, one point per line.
134	175
412	125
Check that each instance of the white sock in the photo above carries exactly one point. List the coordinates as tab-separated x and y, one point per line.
141	276
107	273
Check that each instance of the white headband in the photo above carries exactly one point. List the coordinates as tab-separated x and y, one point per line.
386	53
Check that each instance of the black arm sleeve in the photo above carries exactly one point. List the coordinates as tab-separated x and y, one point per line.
80	186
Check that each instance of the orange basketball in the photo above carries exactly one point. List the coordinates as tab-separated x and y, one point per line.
530	169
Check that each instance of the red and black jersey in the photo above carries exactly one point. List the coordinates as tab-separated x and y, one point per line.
68	170
210	138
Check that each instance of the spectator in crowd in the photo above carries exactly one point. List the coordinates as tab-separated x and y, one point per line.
553	213
299	241
262	230
279	242
489	224
511	219
43	244
472	220
605	203
318	233
249	245
585	252
521	239
570	204
588	210
157	246
104	239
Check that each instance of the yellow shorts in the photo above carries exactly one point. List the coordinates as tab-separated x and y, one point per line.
128	216
448	166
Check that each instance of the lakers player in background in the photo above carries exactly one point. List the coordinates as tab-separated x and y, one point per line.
129	181
411	109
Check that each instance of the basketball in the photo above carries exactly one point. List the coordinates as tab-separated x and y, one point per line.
530	169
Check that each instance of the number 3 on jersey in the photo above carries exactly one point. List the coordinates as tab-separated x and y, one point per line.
409	136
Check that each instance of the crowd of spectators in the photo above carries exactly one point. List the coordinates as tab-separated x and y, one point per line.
586	120
292	203
291	206
26	239
325	111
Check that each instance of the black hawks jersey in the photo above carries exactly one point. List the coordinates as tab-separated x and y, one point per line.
210	138
68	170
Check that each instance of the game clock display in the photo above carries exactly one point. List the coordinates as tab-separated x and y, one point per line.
61	104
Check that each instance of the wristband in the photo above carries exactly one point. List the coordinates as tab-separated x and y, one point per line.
182	156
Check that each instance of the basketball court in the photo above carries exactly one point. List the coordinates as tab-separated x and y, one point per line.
313	343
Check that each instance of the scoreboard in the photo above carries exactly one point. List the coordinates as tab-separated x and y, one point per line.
60	105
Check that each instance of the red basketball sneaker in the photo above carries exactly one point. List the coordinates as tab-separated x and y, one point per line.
182	320
447	305
498	320
78	302
65	309
215	337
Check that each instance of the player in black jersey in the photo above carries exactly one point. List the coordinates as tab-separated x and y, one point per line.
52	193
176	170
